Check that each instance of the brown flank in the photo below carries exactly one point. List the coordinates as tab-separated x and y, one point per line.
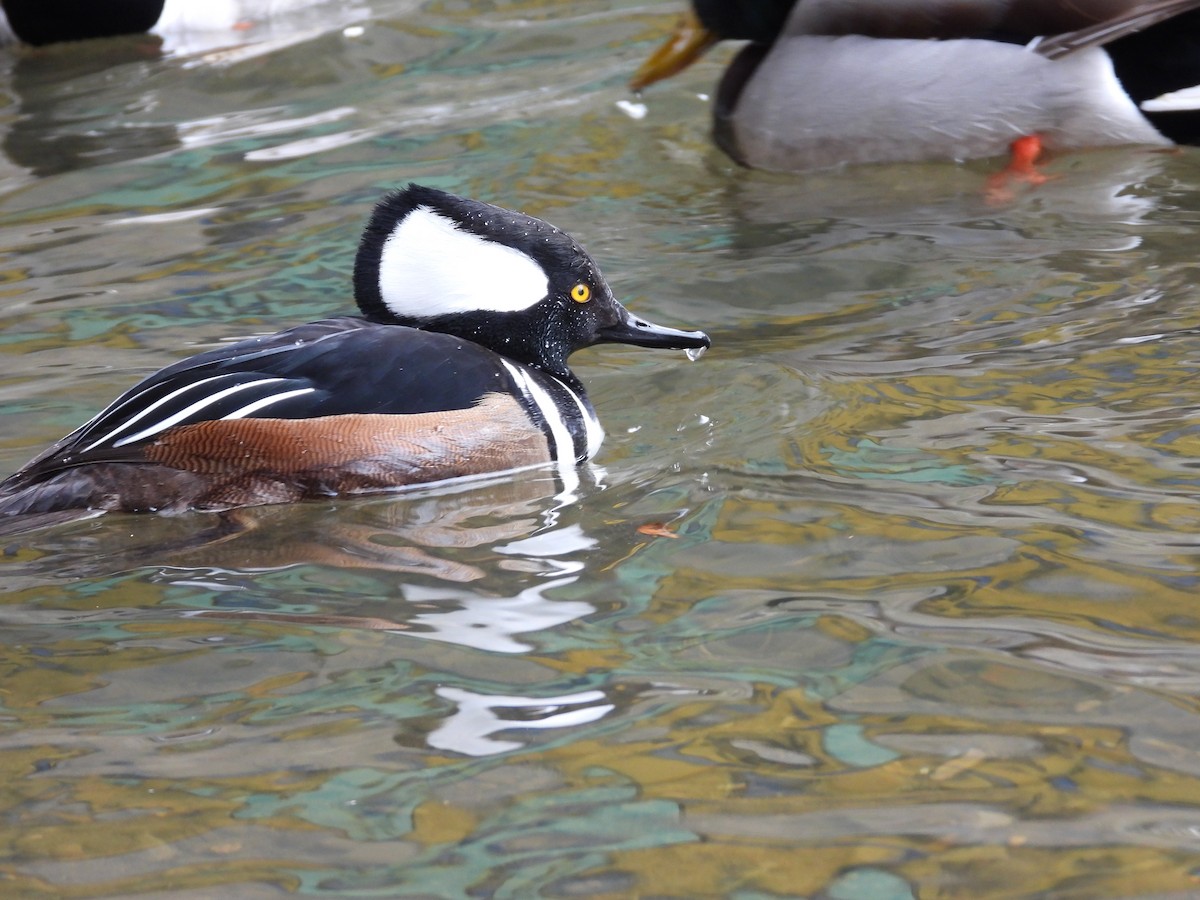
252	461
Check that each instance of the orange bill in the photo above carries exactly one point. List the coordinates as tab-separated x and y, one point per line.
683	48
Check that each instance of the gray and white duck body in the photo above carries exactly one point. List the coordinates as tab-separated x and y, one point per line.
457	367
830	82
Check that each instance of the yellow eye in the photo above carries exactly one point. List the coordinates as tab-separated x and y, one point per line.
581	293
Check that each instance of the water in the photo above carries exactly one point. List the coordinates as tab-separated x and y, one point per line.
892	594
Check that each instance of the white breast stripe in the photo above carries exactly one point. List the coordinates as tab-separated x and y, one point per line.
591	424
564	445
267	401
189	411
128	423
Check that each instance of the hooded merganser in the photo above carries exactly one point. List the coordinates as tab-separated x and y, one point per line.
457	367
826	82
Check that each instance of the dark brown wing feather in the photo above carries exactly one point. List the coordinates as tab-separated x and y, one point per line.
1139	17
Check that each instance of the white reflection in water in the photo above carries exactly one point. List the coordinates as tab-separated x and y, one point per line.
632	109
467	730
556	542
256	123
309	146
489	623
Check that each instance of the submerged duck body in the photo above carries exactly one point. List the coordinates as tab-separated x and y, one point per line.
457	367
828	82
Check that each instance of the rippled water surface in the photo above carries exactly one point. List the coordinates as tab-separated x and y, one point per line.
892	594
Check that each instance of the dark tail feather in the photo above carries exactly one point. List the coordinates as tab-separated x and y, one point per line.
64	497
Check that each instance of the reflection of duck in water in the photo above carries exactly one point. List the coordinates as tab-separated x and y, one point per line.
825	82
446	533
66	119
457	368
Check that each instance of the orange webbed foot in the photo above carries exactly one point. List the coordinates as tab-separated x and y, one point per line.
1024	153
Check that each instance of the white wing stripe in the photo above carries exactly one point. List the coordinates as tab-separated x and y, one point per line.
266	401
189	411
146	411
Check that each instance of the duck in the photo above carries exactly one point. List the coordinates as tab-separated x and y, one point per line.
41	22
455	368
192	25
828	83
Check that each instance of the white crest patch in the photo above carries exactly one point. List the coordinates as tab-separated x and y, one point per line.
429	267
